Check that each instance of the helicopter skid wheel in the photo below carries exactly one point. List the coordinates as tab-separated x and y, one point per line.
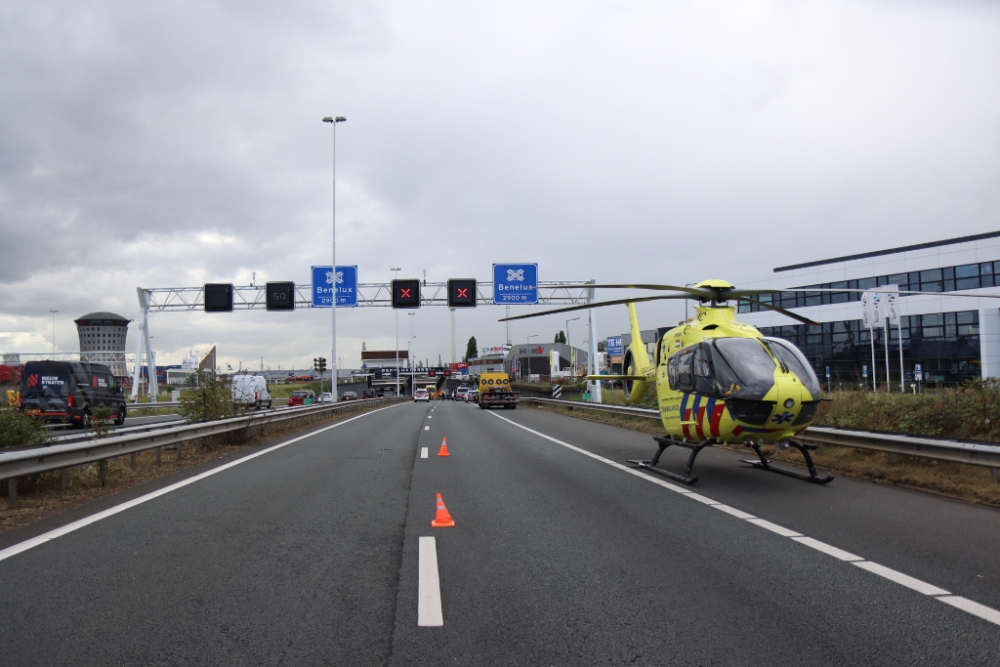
688	477
764	464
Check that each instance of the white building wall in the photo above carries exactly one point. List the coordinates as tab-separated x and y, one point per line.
985	300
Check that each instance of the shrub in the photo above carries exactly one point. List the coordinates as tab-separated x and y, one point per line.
19	430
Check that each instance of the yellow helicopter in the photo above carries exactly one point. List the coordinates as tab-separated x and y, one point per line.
717	379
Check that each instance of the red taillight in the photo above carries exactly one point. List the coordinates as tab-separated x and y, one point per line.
20	401
71	402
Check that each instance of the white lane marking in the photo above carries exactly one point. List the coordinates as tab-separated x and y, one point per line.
774	528
429	416
739	514
901	579
428	585
423	452
111	511
702	499
827	549
427	428
974	608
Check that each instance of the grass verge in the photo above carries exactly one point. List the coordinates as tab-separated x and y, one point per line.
38	496
972	484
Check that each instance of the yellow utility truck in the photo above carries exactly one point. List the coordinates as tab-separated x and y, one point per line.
495	391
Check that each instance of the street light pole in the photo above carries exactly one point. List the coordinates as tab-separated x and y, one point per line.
395	273
53	331
569	342
333	304
409	352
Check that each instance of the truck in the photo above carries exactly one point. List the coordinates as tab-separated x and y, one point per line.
495	391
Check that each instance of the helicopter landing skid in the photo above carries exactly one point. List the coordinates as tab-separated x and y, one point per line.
813	476
688	477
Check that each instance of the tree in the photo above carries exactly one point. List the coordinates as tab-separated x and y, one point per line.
560	337
602	346
472	349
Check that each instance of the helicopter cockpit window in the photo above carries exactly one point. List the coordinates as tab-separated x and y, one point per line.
743	368
704	374
680	371
797	363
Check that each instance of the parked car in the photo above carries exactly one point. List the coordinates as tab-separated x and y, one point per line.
68	392
349	396
369	393
250	391
325	397
421	395
302	397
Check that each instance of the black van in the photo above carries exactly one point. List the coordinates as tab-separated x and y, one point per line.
67	392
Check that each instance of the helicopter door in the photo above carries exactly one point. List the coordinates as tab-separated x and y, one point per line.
680	369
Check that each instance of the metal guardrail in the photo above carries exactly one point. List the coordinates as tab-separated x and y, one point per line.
983	454
14	464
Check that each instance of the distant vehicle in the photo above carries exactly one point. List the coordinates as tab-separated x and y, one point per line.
369	393
302	397
462	394
325	397
421	395
349	396
68	392
495	391
250	391
301	378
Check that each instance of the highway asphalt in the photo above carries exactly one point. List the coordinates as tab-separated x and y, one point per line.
309	553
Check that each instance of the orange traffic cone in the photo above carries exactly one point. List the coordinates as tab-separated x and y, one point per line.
442	519
444	448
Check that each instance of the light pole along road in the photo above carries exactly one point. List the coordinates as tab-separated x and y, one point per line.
317	548
333	305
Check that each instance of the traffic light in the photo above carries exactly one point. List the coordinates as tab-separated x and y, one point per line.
218	297
406	294
319	364
431	373
462	293
280	296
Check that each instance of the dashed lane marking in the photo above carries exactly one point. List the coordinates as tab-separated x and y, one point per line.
427	428
966	605
428	585
423	452
111	511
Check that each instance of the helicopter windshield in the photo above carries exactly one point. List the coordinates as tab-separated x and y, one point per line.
797	363
743	368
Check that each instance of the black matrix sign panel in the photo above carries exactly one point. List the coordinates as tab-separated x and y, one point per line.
462	293
280	296
218	297
406	294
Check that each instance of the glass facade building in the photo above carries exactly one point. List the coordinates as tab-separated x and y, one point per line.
946	345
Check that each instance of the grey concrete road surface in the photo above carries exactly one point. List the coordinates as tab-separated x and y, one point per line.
316	553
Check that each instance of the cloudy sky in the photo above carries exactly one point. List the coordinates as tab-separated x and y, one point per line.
173	144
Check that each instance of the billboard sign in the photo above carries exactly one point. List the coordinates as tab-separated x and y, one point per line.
614	346
515	284
324	279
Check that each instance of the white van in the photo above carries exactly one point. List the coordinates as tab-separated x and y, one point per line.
251	390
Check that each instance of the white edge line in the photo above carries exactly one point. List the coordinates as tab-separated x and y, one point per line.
111	511
423	452
901	579
974	608
774	528
839	554
428	585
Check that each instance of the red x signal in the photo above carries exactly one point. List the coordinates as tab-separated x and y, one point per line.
463	293
404	294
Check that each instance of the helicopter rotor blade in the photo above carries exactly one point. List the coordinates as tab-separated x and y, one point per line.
597	304
699	292
787	313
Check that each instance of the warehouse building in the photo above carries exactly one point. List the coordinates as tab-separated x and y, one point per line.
949	338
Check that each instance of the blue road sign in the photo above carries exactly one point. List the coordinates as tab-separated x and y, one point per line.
323	280
515	284
614	346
